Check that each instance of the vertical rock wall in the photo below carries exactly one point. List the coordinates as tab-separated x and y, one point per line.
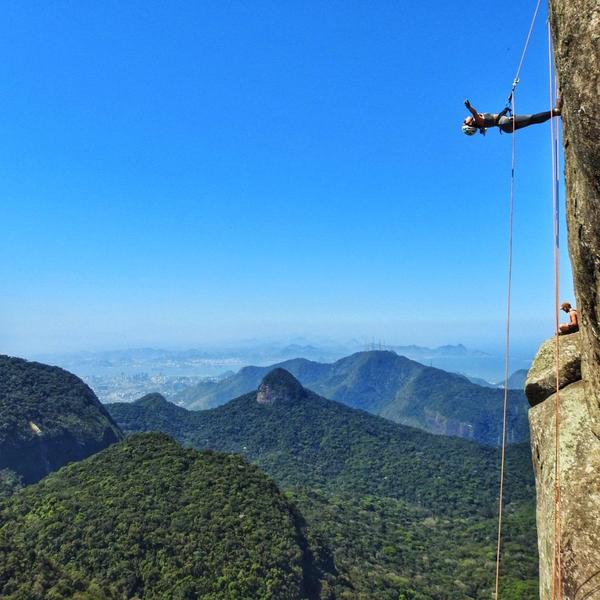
576	33
580	488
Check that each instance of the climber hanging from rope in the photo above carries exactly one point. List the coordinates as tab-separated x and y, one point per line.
503	120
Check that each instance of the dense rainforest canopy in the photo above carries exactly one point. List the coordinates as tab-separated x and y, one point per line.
148	519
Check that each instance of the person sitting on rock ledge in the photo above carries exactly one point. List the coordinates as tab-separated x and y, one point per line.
481	121
573	325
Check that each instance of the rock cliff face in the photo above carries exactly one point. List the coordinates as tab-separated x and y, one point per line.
541	379
580	475
576	34
279	386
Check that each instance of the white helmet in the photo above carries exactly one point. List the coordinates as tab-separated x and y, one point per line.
469	130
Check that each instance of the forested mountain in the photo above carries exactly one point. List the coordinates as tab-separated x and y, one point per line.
301	438
374	509
392	386
48	417
148	519
403	511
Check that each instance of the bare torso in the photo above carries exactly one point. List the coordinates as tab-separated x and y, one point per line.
573	318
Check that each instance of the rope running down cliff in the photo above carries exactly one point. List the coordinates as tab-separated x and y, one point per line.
506	354
554	139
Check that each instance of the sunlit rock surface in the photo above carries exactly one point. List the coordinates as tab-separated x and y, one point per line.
580	489
541	379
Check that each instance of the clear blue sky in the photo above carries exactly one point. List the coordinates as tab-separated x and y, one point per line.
183	172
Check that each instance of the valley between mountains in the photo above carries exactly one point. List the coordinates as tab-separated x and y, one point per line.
415	511
278	493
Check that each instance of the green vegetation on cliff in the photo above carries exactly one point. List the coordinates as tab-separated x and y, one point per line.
48	417
148	519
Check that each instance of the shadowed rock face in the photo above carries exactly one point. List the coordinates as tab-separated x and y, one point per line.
541	379
279	386
48	418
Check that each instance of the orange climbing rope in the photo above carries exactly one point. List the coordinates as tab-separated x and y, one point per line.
554	140
511	103
507	349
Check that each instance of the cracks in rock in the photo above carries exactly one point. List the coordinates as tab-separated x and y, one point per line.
589	593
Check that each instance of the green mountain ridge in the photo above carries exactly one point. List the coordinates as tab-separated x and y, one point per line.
371	509
405	513
148	519
48	417
307	440
392	386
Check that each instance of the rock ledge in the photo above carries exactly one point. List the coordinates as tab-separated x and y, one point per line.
541	379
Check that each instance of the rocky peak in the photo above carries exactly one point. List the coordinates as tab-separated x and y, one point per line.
279	386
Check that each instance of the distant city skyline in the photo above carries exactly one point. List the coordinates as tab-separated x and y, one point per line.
174	175
130	373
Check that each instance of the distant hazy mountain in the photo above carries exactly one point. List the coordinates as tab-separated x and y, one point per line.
211	361
202	362
392	386
148	519
479	381
517	380
48	417
423	353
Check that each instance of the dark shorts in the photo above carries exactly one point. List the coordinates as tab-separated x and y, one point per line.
572	329
507	126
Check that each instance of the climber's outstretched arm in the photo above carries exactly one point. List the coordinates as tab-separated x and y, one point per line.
470	108
479	120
